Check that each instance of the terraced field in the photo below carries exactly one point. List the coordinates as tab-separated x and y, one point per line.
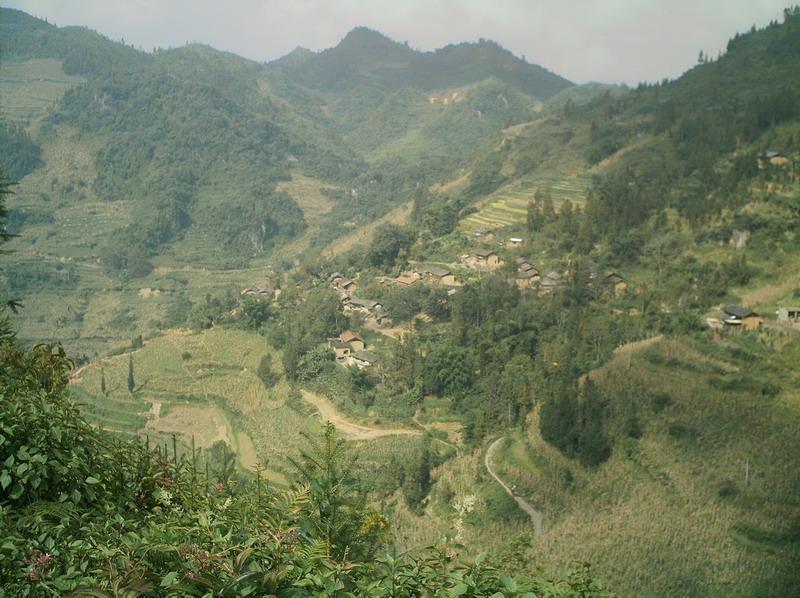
30	87
201	386
508	206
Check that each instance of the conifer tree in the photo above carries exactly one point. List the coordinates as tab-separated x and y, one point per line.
131	381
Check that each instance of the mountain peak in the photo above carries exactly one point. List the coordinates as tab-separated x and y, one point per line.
365	40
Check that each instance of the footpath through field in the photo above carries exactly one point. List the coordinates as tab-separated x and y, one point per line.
537	519
328	412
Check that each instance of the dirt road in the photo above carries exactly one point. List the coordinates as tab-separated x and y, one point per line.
328	412
537	519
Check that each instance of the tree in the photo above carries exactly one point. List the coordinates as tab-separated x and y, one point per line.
265	373
6	332
515	390
593	445
389	243
448	369
417	478
103	390
131	381
339	515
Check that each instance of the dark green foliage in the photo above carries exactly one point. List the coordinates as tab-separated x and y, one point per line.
417	478
605	140
389	245
265	372
340	517
18	154
448	369
255	313
84	52
26	277
131	380
558	418
304	324
593	445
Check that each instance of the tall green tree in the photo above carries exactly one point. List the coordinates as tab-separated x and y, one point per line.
131	380
339	515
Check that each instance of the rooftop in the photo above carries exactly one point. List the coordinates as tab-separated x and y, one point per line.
367	356
737	311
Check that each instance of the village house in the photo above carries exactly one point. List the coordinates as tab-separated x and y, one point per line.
550	282
354	340
776	158
439	275
364	359
515	242
741	318
487	257
341	349
335	278
363	305
345	284
405	281
523	266
788	314
527	279
615	282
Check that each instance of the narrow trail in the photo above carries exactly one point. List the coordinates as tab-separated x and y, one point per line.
537	519
328	412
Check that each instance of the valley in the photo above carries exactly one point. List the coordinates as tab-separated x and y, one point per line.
554	323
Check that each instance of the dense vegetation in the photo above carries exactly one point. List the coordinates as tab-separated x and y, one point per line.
690	199
82	511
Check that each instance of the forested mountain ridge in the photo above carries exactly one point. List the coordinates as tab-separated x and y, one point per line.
139	112
555	274
367	58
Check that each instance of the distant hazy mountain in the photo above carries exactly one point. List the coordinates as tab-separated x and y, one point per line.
367	57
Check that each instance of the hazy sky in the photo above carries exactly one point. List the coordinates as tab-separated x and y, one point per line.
583	40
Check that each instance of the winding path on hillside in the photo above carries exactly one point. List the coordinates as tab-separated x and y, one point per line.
537	519
328	412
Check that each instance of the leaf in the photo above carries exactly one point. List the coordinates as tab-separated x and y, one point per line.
509	583
22	468
16	491
91	480
5	480
169	579
459	589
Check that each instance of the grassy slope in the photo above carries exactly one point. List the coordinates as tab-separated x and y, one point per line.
672	513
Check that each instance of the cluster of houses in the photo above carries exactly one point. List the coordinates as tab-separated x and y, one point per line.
432	274
350	350
345	290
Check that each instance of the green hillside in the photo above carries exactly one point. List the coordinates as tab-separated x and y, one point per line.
557	323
